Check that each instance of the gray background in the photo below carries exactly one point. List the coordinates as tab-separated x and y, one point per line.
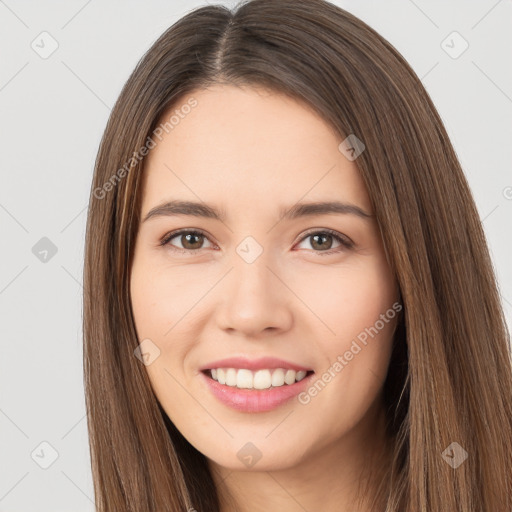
53	112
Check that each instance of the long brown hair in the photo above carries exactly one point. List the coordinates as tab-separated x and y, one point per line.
450	377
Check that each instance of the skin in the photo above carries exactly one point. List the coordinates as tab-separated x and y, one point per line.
251	152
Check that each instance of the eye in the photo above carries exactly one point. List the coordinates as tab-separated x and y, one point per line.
323	239
191	240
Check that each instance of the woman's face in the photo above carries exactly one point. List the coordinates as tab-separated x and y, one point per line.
263	279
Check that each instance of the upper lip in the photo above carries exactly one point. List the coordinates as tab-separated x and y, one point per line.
254	364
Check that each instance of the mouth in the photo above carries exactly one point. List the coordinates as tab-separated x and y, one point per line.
242	378
256	391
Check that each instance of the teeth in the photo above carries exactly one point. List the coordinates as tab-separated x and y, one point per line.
289	377
261	379
244	379
278	377
300	375
231	377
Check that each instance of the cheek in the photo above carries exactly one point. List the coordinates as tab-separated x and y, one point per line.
348	299
356	304
160	297
163	300
157	310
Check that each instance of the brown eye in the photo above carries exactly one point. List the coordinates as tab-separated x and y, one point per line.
189	240
322	241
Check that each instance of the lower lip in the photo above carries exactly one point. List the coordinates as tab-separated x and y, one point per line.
255	400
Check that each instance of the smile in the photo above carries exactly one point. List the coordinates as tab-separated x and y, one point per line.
260	379
260	394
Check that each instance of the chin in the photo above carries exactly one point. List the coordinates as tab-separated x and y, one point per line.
254	456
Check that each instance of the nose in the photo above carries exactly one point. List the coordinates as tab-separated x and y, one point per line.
254	300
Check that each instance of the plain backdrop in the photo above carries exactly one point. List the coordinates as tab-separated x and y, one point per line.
53	110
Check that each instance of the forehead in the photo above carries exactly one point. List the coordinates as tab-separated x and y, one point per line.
249	147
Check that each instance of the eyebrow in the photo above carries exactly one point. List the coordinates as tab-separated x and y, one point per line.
195	209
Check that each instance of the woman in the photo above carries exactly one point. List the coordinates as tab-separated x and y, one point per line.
289	300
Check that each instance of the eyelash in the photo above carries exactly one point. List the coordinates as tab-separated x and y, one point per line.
345	242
